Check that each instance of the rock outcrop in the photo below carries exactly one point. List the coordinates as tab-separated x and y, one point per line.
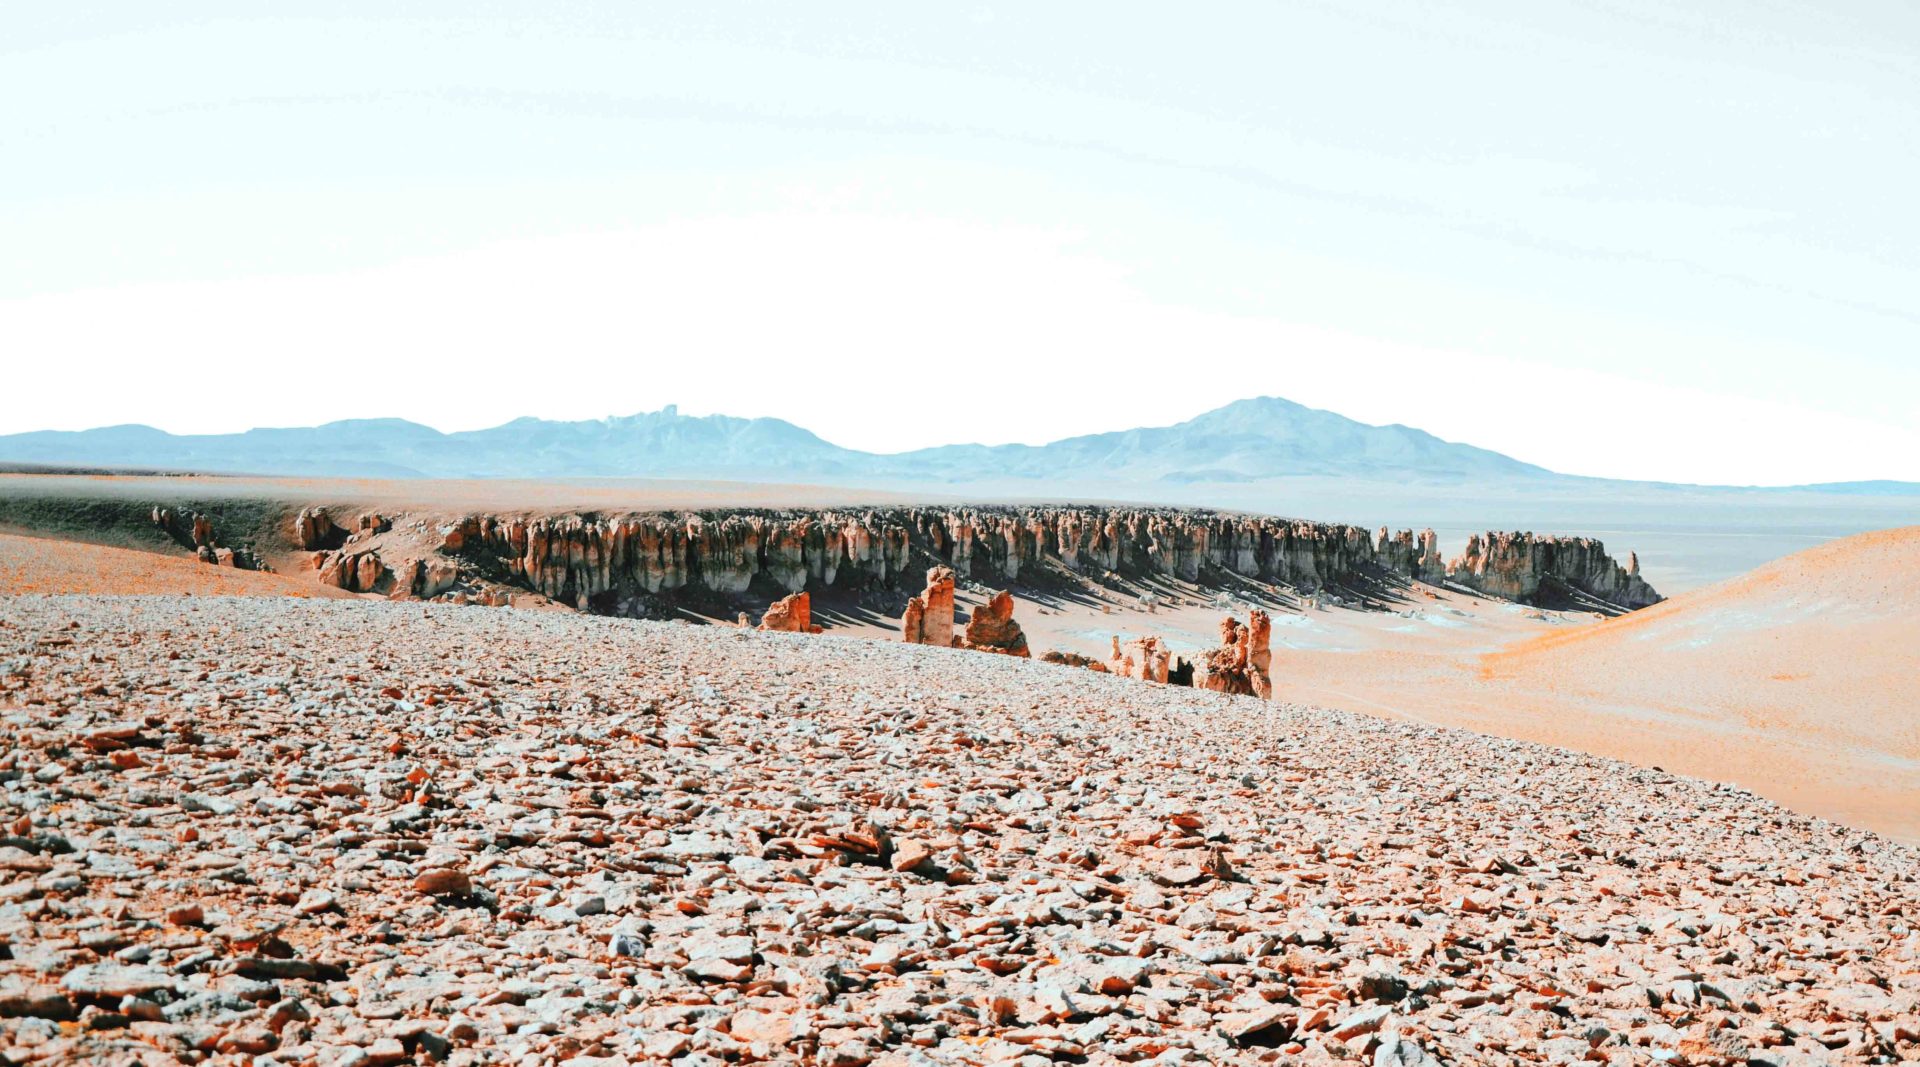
790	614
992	628
356	572
1515	566
603	562
196	532
929	615
1241	663
422	578
1072	659
313	529
1146	658
1414	557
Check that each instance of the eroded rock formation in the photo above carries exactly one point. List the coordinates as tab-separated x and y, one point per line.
1241	663
313	529
575	558
1414	557
1514	565
602	562
356	572
992	628
790	614
423	578
929	615
196	532
1146	658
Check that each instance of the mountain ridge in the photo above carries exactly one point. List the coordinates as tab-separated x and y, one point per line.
1250	440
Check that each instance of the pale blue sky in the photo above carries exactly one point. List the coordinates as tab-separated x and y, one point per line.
1611	238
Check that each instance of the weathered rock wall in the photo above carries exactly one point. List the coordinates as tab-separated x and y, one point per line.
578	558
572	557
1513	565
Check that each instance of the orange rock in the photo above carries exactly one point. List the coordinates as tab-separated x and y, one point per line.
790	614
313	528
442	881
1073	659
1145	658
1240	664
929	616
991	628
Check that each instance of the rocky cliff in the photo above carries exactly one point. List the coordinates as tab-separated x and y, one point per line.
577	558
594	561
612	563
1514	566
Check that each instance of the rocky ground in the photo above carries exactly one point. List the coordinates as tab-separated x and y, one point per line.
50	565
346	832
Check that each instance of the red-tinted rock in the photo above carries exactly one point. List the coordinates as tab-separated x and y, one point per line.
790	614
991	628
1240	664
929	616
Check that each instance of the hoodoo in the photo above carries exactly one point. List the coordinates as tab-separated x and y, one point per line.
929	616
991	628
1240	664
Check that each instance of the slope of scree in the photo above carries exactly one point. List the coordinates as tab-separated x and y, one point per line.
331	831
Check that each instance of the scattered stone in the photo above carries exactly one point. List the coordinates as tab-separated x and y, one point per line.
427	833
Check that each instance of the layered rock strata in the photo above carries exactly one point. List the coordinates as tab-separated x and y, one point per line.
1241	663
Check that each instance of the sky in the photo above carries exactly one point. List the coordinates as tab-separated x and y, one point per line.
1612	237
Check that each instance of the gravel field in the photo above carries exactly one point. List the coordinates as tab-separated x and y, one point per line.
347	832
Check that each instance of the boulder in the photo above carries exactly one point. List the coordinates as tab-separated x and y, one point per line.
991	628
790	614
1073	659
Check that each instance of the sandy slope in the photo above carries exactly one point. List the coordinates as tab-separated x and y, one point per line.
1799	680
44	565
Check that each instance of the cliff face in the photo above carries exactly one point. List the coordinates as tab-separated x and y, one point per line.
584	560
1513	566
578	558
595	562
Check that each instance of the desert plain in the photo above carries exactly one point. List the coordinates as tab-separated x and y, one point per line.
447	807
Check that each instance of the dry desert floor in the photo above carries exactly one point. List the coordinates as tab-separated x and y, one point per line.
279	830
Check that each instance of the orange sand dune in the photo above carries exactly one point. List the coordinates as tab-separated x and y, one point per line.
42	565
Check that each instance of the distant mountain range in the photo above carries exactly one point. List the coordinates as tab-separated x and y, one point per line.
1246	441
